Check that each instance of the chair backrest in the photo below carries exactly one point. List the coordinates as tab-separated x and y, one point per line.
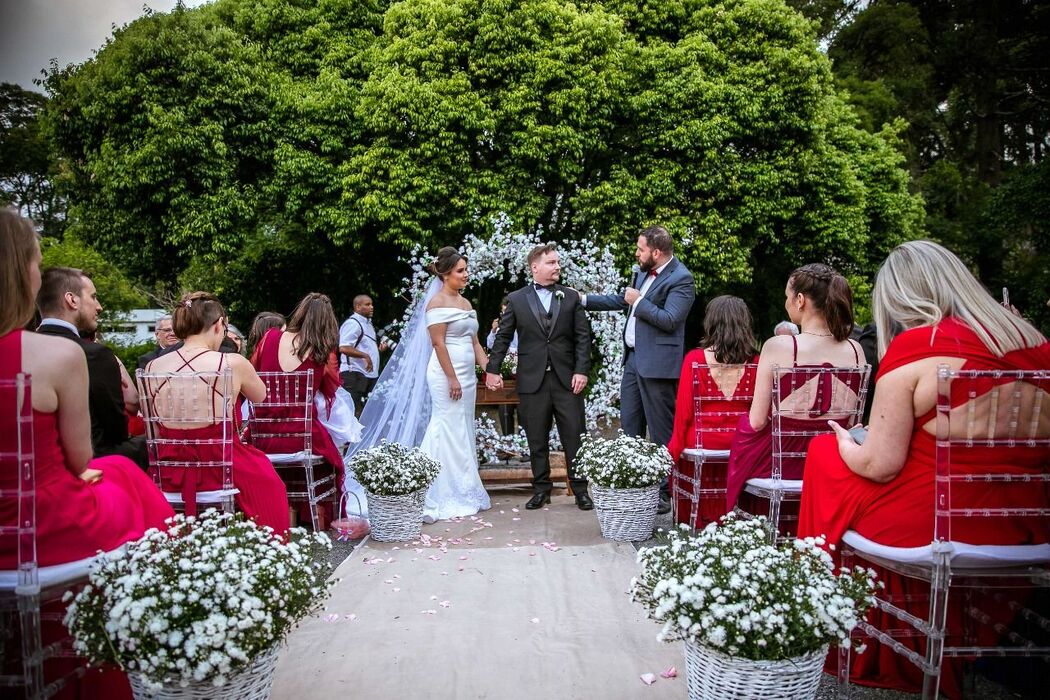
283	421
804	399
993	456
714	412
189	420
18	478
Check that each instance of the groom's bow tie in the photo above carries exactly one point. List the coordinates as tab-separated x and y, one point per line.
548	287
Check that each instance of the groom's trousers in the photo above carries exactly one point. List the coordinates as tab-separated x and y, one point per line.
552	403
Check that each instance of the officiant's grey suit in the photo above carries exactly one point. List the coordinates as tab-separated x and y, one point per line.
553	345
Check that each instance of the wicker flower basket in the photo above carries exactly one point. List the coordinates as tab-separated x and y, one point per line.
711	675
251	683
396	518
626	515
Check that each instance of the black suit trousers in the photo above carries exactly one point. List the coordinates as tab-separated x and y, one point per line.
552	402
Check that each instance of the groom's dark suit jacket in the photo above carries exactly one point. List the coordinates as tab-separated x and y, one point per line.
559	339
109	422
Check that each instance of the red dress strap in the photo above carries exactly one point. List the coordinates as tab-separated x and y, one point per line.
794	351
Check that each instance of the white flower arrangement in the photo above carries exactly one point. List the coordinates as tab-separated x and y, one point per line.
391	469
492	445
728	588
559	295
199	601
622	463
584	265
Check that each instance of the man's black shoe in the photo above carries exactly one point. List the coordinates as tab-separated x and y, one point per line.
665	505
584	502
538	501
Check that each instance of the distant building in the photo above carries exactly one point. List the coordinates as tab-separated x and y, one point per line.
133	327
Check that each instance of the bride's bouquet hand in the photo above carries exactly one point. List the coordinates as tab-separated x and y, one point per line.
455	391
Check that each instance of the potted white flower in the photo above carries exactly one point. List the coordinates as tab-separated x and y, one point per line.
625	475
396	479
756	618
200	609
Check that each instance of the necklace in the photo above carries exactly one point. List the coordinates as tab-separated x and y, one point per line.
819	335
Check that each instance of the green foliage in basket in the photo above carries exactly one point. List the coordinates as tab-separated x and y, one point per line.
391	469
728	588
623	462
200	600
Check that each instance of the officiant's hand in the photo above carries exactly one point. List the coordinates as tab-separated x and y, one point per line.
579	383
630	295
455	391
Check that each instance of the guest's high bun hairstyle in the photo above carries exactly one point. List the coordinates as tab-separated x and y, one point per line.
195	312
18	244
830	294
316	328
445	262
921	283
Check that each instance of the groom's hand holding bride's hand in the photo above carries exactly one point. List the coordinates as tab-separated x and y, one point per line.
579	383
493	381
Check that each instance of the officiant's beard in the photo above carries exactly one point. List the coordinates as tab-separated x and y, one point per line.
646	263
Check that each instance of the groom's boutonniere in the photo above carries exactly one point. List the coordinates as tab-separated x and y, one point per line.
559	295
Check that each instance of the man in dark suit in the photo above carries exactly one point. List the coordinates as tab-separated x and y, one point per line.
166	338
69	305
554	357
657	304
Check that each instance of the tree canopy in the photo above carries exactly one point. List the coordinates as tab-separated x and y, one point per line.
308	143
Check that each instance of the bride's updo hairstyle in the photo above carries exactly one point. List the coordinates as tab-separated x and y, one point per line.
195	312
829	292
445	262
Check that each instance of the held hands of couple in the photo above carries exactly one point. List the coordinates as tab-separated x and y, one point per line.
493	381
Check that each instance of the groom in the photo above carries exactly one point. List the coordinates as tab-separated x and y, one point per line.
554	356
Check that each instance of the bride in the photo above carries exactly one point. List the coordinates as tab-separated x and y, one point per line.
425	395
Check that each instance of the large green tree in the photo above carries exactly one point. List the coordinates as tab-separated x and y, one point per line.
27	169
310	143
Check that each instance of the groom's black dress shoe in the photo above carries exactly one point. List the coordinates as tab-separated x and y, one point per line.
584	502
537	501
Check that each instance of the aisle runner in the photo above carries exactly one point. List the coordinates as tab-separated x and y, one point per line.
513	604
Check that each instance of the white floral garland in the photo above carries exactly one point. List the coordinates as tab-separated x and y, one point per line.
585	266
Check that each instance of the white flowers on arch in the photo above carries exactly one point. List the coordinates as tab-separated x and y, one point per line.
503	256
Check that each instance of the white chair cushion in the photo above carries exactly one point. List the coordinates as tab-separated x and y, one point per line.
57	575
962	555
293	457
785	485
695	454
217	496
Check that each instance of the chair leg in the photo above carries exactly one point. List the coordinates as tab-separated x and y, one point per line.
311	495
931	675
32	647
774	517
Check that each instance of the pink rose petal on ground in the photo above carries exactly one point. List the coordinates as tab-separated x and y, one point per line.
515	518
445	604
460	569
389	580
397	575
331	618
648	678
535	620
669	672
532	554
515	510
464	557
444	573
433	597
486	538
394	549
351	617
390	561
532	541
502	512
396	590
434	557
428	612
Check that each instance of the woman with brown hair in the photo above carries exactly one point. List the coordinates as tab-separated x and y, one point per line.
820	302
200	320
310	342
728	344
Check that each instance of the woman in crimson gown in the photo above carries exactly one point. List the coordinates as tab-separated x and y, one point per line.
83	505
929	311
309	343
728	343
200	320
820	302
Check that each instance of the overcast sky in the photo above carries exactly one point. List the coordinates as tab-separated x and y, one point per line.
32	32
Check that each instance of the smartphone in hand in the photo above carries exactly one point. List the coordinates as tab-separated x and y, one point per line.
859	434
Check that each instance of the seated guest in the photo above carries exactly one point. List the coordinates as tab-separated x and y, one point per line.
309	343
69	306
929	310
263	321
785	328
728	340
82	504
165	339
820	302
200	320
234	335
490	339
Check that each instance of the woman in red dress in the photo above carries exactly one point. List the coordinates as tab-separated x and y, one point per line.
728	343
929	310
200	320
820	302
309	343
83	505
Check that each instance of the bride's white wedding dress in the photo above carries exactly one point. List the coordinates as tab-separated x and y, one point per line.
449	437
